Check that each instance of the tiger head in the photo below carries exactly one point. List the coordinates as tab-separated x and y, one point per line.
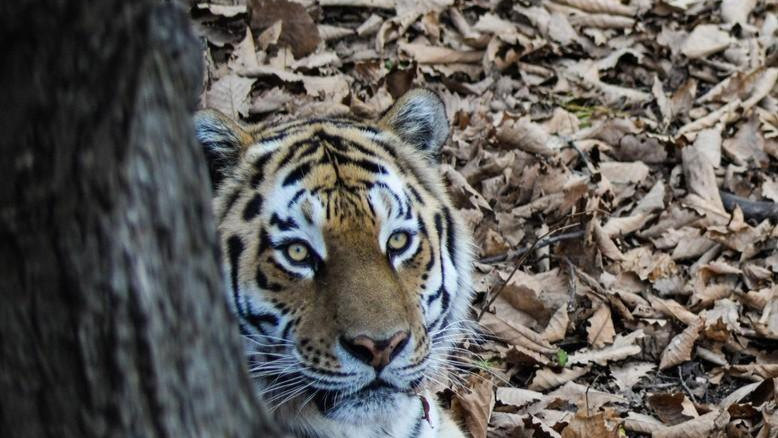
347	266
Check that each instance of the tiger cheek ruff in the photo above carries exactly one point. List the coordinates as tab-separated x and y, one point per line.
346	265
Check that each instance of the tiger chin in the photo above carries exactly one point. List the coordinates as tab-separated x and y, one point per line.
347	265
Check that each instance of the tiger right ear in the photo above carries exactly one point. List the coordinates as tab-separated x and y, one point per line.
419	118
223	141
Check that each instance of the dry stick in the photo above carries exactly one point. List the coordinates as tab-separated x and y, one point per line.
537	244
683	383
759	210
523	253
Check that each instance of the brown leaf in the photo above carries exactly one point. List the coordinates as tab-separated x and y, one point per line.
547	378
642	423
605	6
699	427
230	95
424	54
629	374
584	425
605	244
583	396
600	331
557	326
517	396
672	408
299	31
624	173
529	137
705	39
516	334
700	177
680	347
476	405
622	348
673	309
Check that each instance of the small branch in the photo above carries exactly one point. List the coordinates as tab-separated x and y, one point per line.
521	254
510	255
759	210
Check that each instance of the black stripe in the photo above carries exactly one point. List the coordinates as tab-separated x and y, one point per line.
439	226
416	429
439	335
264	242
444	302
416	194
297	173
292	149
363	163
234	250
264	284
342	144
257	319
259	165
450	242
396	197
252	208
281	268
422	227
287	328
307	149
295	198
231	199
410	259
283	224
436	295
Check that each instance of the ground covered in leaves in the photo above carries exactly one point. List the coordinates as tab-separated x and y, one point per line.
618	163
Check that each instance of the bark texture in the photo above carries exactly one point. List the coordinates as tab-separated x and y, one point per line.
112	319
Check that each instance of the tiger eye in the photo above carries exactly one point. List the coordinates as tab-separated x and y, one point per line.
297	252
398	240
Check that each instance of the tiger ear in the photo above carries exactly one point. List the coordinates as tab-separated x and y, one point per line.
223	141
419	118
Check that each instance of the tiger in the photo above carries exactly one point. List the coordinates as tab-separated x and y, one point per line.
346	265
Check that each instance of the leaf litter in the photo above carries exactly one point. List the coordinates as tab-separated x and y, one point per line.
617	161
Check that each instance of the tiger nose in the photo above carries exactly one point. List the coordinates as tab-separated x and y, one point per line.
376	353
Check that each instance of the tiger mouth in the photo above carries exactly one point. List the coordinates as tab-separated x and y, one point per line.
376	391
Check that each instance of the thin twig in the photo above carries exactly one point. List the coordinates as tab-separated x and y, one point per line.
683	383
546	240
538	244
587	164
572	286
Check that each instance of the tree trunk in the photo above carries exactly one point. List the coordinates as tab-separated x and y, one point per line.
112	319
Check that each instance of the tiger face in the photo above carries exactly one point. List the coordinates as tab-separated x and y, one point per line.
347	266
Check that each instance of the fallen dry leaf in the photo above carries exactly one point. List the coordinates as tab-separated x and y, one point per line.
600	331
699	427
583	425
298	30
680	347
230	95
546	378
476	405
641	134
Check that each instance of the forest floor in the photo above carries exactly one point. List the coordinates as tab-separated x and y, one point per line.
618	163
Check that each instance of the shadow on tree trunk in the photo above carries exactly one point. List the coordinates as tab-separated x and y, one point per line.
112	321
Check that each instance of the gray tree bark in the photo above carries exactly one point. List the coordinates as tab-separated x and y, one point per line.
112	320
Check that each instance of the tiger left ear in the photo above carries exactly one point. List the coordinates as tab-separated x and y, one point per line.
223	141
419	118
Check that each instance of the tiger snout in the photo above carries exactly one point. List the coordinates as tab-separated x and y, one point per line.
374	320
